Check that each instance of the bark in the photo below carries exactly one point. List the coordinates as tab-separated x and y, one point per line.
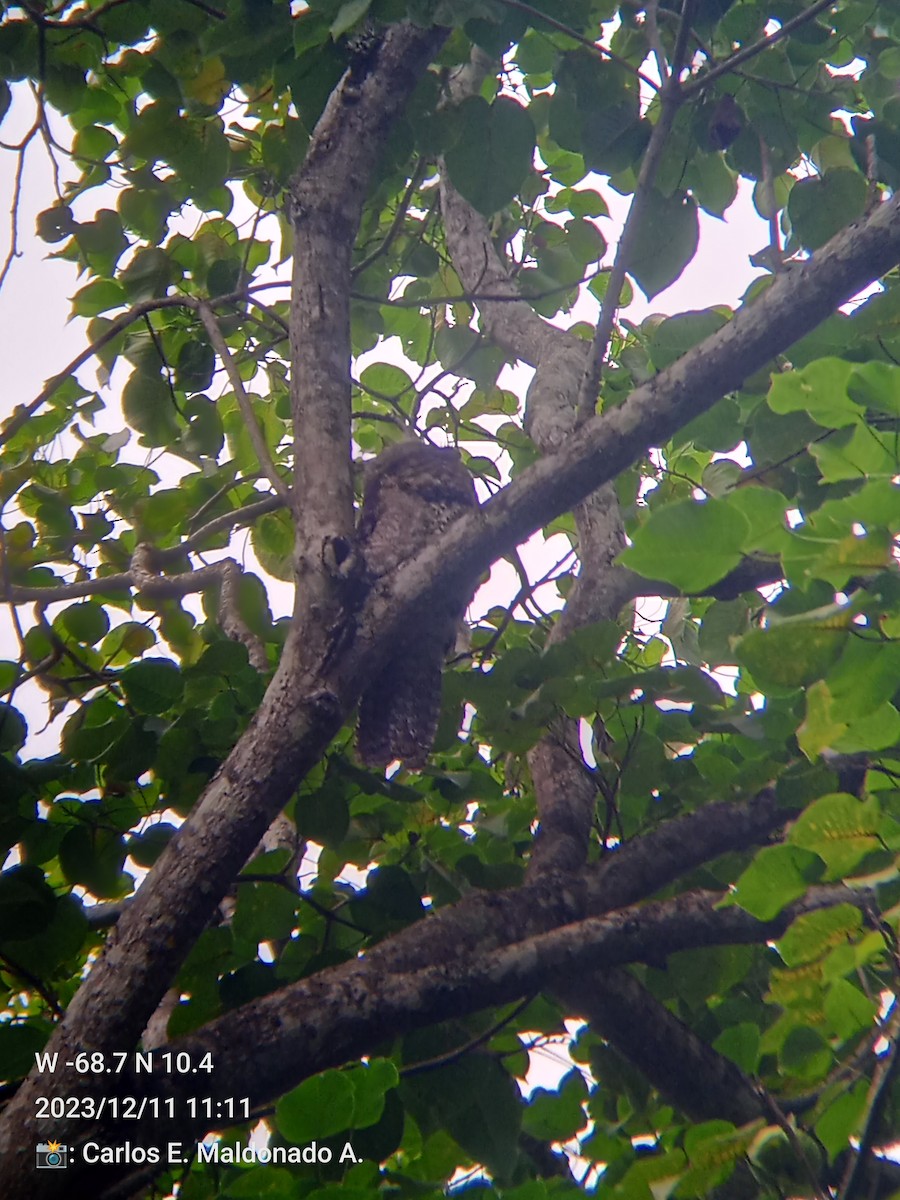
684	1069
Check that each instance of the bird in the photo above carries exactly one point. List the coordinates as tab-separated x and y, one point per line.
413	492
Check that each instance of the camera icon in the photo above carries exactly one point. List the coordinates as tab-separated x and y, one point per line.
51	1155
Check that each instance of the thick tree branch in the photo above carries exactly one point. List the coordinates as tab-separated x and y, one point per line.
327	195
699	1081
565	793
344	1011
481	923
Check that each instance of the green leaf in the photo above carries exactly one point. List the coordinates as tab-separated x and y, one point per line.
273	543
264	912
204	436
795	651
102	241
87	622
18	1046
820	208
93	858
777	876
152	685
386	379
806	1055
477	1102
501	134
26	903
97	297
94	142
840	829
765	510
348	15
665	243
13	728
856	453
865	676
819	389
714	184
741	1044
813	934
148	407
148	275
557	1116
876	385
842	1118
391	889
688	544
372	1081
849	1010
875	731
676	335
56	223
195	366
318	1108
820	729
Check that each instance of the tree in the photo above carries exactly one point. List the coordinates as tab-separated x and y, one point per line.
711	885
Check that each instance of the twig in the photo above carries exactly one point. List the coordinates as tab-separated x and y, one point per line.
176	585
211	325
590	381
654	39
600	51
768	190
475	296
22	150
23	414
700	82
458	1052
397	224
225	573
793	1140
83	22
877	1097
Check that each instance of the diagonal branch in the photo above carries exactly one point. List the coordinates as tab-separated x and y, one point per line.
608	444
700	82
346	1010
681	1066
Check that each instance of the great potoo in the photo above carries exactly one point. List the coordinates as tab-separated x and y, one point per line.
413	492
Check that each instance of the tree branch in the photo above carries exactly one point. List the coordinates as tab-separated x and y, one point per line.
327	196
702	1083
258	442
344	1011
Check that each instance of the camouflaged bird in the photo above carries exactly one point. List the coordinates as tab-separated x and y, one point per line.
413	492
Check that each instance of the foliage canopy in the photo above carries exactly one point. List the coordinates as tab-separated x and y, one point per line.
684	834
